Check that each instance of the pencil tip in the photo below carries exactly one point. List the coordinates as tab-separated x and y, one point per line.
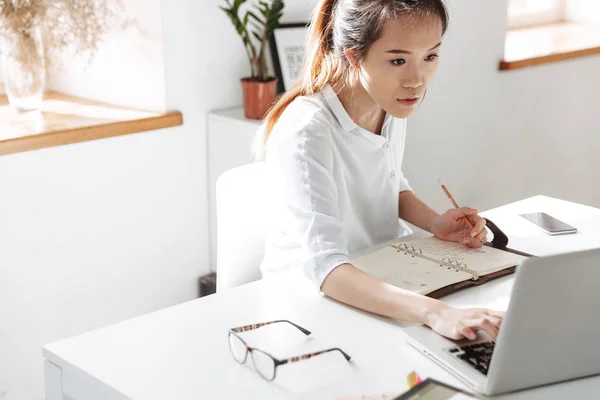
440	182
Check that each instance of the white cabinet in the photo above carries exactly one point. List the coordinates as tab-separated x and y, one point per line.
230	137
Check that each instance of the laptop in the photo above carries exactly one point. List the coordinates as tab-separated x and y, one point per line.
550	333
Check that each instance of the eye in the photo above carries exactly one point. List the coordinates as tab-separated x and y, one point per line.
431	57
399	61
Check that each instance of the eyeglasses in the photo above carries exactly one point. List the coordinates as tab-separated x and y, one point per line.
264	363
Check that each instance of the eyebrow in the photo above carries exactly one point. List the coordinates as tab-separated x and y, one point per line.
396	51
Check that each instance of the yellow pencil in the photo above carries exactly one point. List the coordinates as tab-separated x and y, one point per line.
454	202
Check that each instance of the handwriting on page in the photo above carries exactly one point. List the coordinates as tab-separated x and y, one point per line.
454	251
409	276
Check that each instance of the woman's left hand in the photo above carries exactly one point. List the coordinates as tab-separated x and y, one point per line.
451	227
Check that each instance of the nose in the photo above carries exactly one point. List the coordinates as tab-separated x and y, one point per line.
414	79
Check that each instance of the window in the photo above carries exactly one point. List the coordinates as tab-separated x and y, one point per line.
535	12
545	31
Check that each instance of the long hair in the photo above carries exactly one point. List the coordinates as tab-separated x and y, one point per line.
337	25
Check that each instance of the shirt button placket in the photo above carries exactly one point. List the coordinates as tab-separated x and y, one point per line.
388	155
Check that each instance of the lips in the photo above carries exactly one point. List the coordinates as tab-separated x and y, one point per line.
409	101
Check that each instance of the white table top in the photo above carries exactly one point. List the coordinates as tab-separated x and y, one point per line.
182	352
525	236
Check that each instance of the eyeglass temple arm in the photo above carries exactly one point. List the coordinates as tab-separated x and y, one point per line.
256	326
311	355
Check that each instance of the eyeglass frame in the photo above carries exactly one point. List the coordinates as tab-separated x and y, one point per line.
276	362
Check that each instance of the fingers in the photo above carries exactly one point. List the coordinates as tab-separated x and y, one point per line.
478	234
483	237
480	312
479	231
471	242
488	327
469	211
498	314
488	324
458	213
477	319
479	227
495	321
462	330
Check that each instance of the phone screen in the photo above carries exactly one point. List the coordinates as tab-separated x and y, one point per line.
549	223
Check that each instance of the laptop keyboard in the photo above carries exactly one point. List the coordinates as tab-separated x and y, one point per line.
476	355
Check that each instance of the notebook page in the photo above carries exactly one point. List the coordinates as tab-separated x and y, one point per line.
484	260
411	273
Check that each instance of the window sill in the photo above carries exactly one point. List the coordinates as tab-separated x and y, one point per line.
526	47
64	120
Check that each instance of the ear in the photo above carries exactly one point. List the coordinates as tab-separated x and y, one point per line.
351	57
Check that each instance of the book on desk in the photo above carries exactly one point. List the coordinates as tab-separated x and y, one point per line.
433	267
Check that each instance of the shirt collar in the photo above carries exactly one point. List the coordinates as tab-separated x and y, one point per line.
340	113
338	109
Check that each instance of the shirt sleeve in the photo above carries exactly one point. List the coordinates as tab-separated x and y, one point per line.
404	185
309	194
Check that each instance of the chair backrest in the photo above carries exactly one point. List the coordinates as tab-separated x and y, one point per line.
240	206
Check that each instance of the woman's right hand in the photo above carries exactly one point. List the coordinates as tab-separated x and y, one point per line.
457	323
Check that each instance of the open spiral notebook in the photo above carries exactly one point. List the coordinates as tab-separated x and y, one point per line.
436	268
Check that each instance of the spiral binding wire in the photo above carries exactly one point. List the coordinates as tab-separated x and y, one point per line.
412	250
445	262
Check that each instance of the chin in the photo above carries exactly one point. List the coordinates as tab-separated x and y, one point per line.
400	111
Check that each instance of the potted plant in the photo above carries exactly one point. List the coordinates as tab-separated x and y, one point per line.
255	29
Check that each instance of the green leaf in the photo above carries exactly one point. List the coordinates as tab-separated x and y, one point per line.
257	36
258	28
255	17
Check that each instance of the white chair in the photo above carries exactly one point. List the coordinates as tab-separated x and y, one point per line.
240	204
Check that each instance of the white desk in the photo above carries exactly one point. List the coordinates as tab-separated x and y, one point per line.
182	352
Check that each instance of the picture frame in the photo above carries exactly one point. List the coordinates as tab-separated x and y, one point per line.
287	45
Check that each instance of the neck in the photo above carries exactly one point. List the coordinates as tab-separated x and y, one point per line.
360	106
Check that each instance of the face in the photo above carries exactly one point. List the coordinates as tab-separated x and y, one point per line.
400	64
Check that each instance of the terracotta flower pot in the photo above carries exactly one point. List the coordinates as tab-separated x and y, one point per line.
258	97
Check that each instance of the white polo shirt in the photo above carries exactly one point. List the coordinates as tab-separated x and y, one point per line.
333	186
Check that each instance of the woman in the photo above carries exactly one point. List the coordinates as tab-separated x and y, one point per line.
333	147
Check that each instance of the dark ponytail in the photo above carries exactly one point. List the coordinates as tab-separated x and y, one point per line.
319	68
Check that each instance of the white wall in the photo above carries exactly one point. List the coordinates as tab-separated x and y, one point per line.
496	137
128	68
583	11
98	232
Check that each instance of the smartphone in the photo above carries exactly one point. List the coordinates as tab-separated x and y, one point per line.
549	224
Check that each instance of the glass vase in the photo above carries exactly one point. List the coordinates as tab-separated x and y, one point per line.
24	69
